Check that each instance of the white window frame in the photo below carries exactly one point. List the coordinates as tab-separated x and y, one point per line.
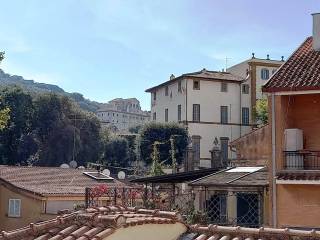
265	73
16	212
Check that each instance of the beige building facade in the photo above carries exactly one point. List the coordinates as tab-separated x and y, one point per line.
257	71
210	104
122	114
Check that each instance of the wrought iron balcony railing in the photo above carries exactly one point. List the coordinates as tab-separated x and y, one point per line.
301	160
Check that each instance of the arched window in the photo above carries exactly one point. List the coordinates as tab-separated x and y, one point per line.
264	73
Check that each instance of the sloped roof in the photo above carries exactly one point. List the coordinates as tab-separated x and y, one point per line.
100	223
203	74
93	223
300	72
214	232
51	180
227	177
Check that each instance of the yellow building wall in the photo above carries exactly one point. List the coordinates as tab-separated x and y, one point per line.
31	210
298	205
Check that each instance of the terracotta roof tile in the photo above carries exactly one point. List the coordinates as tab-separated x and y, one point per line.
300	72
203	74
90	224
299	176
51	180
213	232
84	225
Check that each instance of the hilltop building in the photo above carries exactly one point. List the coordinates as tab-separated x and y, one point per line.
121	114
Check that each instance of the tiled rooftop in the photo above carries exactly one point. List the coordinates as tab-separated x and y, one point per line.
299	176
51	181
300	72
213	232
93	223
102	222
203	74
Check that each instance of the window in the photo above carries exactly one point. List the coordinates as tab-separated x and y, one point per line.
179	112
154	116
245	88
245	116
154	96
196	84
166	113
216	207
224	143
264	74
14	208
196	149
179	87
224	87
167	91
224	114
196	113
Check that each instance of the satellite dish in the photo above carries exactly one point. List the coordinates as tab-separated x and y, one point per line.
81	167
121	175
73	164
106	172
64	165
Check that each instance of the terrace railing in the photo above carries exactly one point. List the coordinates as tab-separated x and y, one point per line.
301	160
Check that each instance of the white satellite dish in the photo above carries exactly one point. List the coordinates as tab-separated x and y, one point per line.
121	175
64	165
106	172
81	167
73	164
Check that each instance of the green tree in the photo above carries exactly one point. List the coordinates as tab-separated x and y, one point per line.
4	117
90	138
261	111
135	129
156	166
116	152
19	124
162	133
1	56
55	122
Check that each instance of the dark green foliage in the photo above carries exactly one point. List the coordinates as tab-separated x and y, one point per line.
1	56
136	129
132	144
19	124
48	130
116	152
261	112
162	133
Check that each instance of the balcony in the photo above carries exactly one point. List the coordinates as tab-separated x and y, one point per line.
301	160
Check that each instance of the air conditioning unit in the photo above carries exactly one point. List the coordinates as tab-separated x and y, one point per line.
293	143
293	139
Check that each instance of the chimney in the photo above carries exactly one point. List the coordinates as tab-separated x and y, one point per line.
316	31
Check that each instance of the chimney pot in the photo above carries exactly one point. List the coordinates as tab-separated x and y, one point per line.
282	58
316	31
253	56
268	57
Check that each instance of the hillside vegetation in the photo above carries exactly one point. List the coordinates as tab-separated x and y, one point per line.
33	87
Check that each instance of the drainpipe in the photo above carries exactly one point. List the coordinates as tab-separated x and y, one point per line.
273	164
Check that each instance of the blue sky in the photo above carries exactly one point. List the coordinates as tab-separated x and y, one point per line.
117	48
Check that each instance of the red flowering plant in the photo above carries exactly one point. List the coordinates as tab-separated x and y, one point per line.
97	192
